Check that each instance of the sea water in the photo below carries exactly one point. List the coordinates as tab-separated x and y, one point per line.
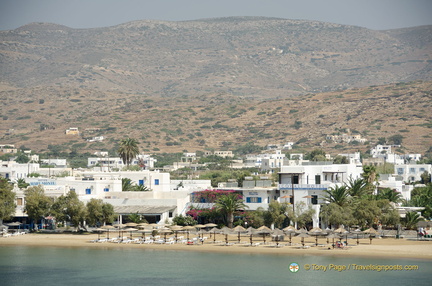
23	265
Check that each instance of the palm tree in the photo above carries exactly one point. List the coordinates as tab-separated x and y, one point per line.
228	204
128	150
338	195
357	187
127	185
389	194
411	220
370	176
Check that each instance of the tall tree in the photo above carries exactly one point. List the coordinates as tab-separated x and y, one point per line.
7	200
38	205
390	195
228	204
356	187
371	177
334	214
128	150
70	209
338	195
99	212
276	214
411	219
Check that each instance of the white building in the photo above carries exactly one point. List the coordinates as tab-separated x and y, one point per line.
117	163
306	183
395	183
14	171
165	200
412	172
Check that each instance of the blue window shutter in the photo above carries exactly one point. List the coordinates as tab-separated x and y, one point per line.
259	200
156	182
88	191
141	182
248	199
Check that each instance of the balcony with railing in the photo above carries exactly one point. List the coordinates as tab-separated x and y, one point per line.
303	187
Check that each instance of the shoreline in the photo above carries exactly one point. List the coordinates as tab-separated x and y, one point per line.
380	248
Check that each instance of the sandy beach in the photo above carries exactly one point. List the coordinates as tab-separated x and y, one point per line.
386	247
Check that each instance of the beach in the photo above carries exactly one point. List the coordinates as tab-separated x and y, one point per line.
380	247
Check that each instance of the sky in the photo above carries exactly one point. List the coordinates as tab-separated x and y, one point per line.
372	14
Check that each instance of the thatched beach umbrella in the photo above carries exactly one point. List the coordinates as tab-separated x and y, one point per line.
277	233
370	231
357	232
251	231
176	229
99	231
303	235
341	231
239	229
108	228
290	230
316	231
165	231
131	224
264	230
187	228
333	236
209	225
130	230
120	229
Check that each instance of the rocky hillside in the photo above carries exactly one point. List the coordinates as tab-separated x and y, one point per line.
38	117
247	56
215	83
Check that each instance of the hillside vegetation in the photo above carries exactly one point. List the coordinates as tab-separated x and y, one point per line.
214	84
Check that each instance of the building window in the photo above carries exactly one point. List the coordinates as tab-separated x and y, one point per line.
400	171
156	182
88	191
170	214
412	170
141	182
106	190
253	200
19	202
295	179
317	179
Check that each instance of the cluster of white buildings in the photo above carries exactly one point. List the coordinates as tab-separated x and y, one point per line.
299	182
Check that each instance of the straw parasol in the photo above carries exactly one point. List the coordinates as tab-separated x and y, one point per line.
290	230
187	228
176	229
316	231
208	225
99	231
107	228
239	229
130	229
341	232
370	231
264	230
131	224
333	236
357	232
303	235
165	231
214	230
251	232
276	233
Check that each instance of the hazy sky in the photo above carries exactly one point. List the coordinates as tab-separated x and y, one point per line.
373	14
